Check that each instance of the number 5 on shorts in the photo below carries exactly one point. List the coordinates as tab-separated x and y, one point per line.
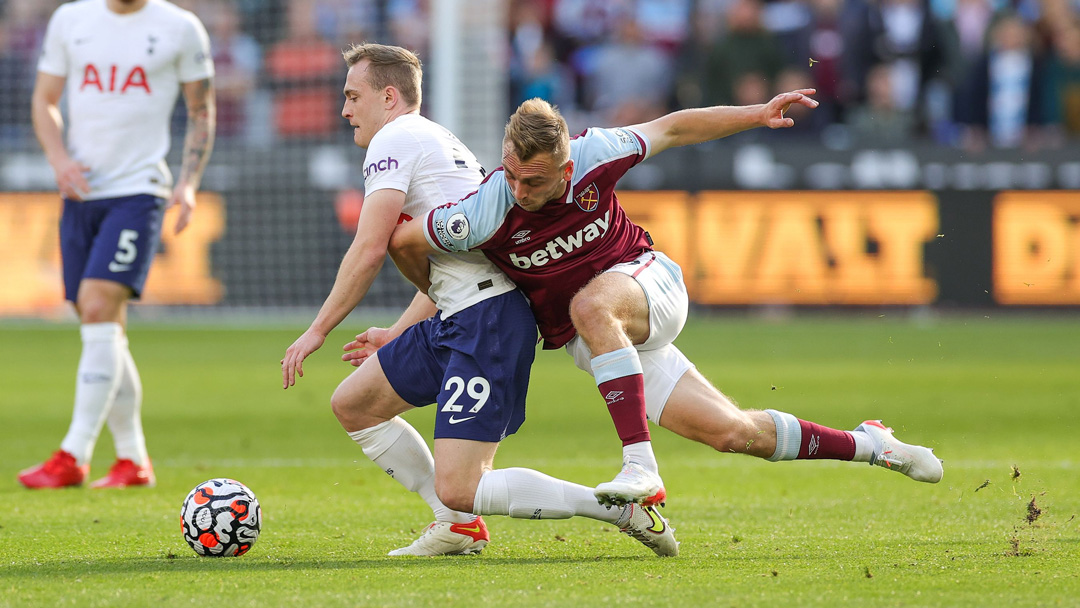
125	247
478	388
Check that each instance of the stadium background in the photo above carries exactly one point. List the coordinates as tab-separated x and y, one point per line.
911	185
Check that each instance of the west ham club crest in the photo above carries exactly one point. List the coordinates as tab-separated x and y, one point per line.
588	198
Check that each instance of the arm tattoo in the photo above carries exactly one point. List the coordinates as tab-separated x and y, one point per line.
201	125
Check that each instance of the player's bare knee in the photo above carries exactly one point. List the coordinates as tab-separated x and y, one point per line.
97	310
589	310
346	408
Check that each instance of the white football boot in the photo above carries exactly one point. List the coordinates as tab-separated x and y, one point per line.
915	461
633	484
648	526
446	538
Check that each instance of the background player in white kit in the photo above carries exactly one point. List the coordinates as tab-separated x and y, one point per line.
123	64
472	358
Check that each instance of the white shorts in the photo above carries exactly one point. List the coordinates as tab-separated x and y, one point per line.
662	364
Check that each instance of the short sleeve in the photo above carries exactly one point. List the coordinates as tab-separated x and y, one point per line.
620	142
391	160
471	222
196	62
54	58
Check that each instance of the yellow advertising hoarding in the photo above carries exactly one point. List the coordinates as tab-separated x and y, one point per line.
794	247
32	279
1037	248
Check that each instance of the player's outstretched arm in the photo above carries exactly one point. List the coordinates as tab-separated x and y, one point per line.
365	344
198	144
49	129
361	263
697	125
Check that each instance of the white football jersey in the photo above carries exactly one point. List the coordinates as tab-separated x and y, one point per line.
123	78
433	168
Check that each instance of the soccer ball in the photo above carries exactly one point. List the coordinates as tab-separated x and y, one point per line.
221	518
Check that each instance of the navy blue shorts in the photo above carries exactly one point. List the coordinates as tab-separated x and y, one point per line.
110	238
474	365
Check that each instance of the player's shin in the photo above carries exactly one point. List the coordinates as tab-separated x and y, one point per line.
620	381
800	439
125	420
96	384
402	453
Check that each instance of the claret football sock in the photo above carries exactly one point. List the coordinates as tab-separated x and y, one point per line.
125	417
399	450
799	439
96	384
619	379
529	494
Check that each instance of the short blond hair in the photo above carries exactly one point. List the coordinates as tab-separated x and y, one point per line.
391	66
538	127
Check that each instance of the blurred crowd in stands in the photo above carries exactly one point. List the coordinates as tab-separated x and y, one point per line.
963	73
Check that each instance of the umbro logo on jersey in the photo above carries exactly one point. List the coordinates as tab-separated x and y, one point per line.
521	236
457	420
815	443
555	249
82	40
613	396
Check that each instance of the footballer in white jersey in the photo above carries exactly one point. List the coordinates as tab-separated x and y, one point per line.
471	357
124	73
432	167
121	65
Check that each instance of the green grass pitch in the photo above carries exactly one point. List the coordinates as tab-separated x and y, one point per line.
988	392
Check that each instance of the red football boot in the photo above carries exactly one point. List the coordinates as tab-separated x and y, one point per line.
126	473
60	471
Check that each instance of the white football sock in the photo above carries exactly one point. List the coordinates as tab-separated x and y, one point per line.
96	383
399	450
125	417
642	454
529	494
864	446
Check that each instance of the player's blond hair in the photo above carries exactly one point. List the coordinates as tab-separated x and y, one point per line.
538	127
390	66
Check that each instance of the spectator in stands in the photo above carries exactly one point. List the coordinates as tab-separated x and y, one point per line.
541	76
1000	102
237	61
303	69
746	47
407	23
706	26
664	23
820	46
628	80
1062	96
343	22
22	28
880	121
905	35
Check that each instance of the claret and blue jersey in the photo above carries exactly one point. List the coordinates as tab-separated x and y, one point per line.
553	252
